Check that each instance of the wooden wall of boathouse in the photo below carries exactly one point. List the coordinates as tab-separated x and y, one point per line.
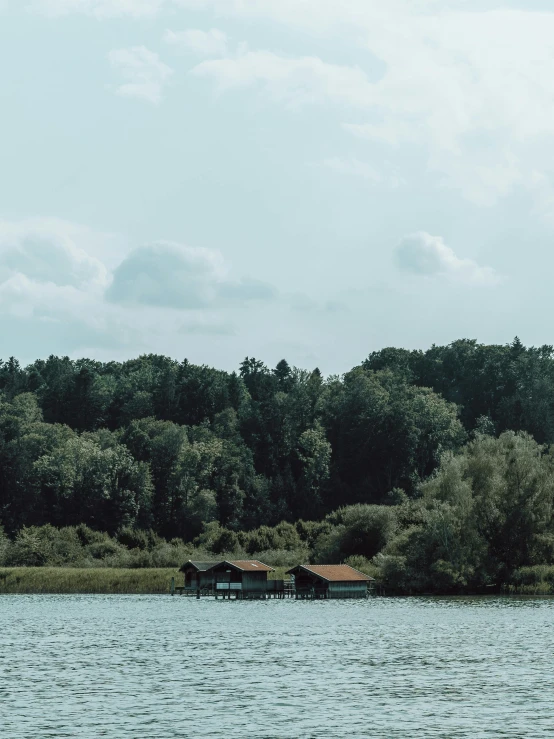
254	582
198	575
243	573
347	590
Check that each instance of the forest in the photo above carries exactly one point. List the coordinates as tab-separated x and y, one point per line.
431	470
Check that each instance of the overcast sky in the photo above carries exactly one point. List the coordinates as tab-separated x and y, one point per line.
308	179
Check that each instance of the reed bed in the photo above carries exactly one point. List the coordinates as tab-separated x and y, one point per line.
64	580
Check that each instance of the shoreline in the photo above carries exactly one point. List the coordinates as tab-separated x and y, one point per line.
148	581
85	581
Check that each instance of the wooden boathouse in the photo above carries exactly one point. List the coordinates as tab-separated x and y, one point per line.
329	581
247	579
198	576
242	579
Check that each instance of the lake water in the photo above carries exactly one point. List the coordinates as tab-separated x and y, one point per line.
162	667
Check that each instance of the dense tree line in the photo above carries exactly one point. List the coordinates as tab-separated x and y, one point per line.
363	465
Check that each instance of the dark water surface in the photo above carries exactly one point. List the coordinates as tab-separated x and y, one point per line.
155	666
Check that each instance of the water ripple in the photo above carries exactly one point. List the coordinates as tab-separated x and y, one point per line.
135	667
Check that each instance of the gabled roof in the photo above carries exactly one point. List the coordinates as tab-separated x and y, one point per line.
199	566
333	573
246	565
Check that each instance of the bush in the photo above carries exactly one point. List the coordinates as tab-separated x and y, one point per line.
358	530
4	546
173	554
283	536
37	546
536	579
104	549
282	557
87	535
367	528
447	578
133	538
393	573
328	545
210	533
309	531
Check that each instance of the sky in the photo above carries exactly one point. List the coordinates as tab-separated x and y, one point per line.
302	179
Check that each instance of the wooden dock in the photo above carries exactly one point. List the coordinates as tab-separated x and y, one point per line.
275	589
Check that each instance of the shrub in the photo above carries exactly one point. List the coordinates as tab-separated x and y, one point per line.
533	576
228	541
309	531
282	557
4	546
393	573
283	536
87	535
37	546
367	528
328	546
133	538
104	549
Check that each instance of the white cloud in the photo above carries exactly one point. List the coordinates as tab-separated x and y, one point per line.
203	43
318	16
176	276
99	8
357	168
426	255
389	132
49	251
52	285
58	296
144	73
168	275
353	166
301	80
470	88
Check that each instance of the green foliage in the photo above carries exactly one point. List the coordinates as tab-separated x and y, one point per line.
38	546
219	540
386	433
4	544
156	443
72	580
366	528
134	538
109	464
486	515
510	385
359	530
535	580
283	558
284	536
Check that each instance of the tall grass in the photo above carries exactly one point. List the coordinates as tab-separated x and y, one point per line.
535	580
64	580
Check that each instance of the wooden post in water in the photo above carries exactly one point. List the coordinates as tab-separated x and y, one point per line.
172	587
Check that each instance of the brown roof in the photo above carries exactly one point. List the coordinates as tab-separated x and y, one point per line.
334	573
250	565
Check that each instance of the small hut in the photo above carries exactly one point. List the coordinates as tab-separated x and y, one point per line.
198	575
329	581
245	578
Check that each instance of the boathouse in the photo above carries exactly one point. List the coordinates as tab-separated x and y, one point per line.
329	581
198	575
243	578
